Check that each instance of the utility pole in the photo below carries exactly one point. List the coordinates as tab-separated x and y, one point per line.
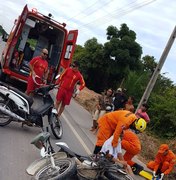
157	70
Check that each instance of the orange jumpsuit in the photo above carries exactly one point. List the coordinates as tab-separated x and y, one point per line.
164	163
131	143
113	123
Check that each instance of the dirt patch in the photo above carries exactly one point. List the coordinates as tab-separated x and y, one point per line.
88	99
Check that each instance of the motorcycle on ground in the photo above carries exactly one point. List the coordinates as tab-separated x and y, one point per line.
66	164
95	167
52	165
17	106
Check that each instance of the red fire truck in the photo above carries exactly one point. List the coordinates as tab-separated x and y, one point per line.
32	32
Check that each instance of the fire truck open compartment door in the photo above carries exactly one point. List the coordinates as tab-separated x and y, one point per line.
69	48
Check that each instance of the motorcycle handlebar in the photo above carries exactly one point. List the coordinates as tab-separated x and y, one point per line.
45	89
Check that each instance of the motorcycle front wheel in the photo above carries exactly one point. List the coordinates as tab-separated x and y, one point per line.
56	126
65	170
4	118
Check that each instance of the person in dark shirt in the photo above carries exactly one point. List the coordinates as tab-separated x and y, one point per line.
120	99
105	101
27	52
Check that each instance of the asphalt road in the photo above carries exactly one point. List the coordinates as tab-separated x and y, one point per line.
16	152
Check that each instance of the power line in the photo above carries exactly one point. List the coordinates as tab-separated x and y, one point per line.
120	12
82	11
130	7
98	8
103	20
83	26
88	8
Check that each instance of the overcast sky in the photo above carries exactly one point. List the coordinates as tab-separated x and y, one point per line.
152	20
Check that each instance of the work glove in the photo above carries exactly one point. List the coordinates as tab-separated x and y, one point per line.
154	174
77	92
162	175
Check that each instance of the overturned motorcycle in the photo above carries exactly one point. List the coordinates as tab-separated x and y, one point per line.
66	164
17	106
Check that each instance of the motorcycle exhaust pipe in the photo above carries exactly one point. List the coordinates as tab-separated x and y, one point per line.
11	114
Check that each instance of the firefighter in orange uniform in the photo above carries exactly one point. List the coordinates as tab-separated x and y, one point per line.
114	123
164	161
131	144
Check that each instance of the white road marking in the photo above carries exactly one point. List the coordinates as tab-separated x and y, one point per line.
77	135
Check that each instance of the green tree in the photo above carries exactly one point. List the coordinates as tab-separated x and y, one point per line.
135	83
79	52
149	63
162	112
106	65
92	64
126	52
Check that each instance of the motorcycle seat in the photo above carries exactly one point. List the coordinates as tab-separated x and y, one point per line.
28	98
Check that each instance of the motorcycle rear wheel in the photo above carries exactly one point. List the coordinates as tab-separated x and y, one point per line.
67	169
56	126
4	118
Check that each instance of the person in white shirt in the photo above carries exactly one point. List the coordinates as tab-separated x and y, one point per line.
116	154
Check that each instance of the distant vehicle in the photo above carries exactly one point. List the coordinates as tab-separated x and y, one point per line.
32	32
